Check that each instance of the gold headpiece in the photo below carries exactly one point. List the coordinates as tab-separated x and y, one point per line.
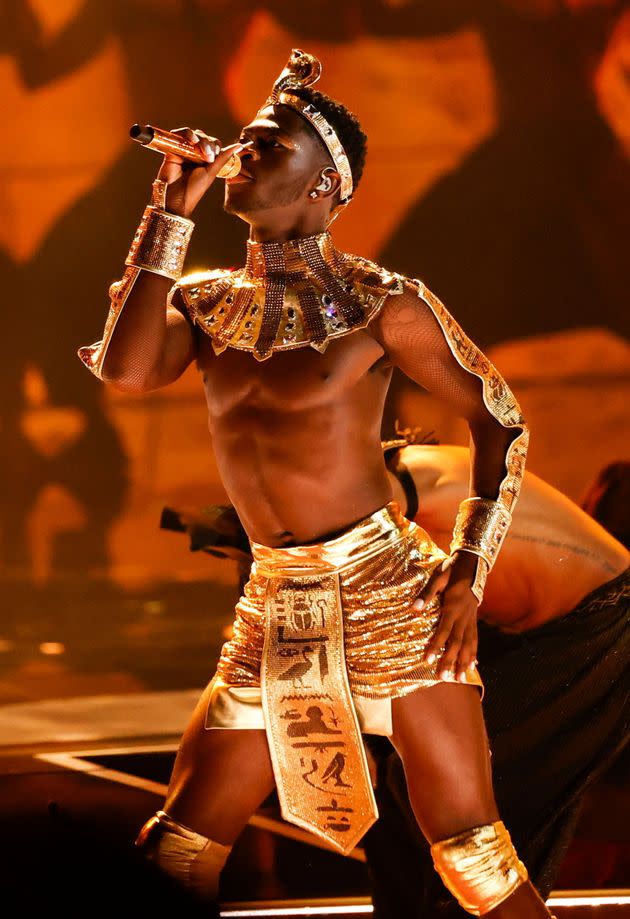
302	70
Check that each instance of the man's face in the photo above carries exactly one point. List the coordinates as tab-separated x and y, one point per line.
281	167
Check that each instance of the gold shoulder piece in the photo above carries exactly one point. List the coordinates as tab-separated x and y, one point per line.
200	278
502	405
497	396
367	274
201	290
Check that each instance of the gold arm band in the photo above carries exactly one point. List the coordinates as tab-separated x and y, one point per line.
159	246
160	243
480	527
497	396
480	867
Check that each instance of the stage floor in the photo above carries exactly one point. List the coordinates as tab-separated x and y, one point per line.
81	775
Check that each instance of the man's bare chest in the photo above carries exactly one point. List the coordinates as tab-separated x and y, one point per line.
293	380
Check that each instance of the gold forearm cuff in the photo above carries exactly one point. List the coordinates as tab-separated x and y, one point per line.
159	246
160	243
480	527
480	867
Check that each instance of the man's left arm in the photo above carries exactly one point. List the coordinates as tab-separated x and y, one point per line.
427	344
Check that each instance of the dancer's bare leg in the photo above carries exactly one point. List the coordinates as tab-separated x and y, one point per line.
219	779
440	736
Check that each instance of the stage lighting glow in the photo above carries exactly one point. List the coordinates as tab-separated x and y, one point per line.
300	911
364	908
52	647
589	898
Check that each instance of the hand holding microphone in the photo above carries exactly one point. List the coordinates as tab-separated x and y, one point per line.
191	163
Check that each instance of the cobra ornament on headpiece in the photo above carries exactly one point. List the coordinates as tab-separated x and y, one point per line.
302	70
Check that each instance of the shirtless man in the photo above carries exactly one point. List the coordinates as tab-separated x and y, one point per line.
296	352
557	604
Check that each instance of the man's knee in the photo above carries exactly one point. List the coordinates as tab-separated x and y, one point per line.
480	867
190	858
445	798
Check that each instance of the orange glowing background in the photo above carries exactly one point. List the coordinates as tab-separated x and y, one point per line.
472	132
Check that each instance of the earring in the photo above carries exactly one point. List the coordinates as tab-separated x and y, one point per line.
312	194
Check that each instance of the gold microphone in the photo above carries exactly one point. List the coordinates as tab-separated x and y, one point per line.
167	142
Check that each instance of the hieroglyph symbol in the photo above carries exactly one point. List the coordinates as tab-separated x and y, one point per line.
336	816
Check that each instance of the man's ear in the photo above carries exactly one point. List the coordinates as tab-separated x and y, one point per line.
328	184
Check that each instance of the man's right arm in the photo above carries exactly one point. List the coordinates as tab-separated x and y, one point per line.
152	343
148	340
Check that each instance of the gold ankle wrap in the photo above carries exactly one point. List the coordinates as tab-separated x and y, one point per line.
187	856
480	867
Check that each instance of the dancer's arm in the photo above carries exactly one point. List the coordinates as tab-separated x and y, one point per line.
147	342
424	341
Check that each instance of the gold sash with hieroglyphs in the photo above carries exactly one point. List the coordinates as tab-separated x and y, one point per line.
314	739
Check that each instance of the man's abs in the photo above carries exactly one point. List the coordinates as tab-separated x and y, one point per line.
302	487
297	438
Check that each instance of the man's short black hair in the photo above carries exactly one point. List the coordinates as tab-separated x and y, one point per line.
346	126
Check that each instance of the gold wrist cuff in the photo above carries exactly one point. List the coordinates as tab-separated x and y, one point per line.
480	528
160	243
480	867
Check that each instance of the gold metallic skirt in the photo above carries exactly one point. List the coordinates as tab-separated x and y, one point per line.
382	563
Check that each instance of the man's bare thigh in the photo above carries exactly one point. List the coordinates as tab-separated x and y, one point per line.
440	735
219	779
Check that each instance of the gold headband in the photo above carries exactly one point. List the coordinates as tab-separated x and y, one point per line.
302	70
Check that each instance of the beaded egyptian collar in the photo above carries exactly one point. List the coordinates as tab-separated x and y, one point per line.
290	295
